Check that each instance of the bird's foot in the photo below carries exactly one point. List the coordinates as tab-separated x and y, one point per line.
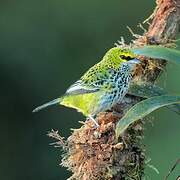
96	125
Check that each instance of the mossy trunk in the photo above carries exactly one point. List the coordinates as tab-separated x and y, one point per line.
93	154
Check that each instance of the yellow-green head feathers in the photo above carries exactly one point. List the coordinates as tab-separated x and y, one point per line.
117	55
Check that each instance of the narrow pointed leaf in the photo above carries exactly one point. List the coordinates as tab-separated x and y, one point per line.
159	52
142	109
147	90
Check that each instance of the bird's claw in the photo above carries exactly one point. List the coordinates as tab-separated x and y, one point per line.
96	125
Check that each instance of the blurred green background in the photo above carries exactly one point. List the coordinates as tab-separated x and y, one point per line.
44	47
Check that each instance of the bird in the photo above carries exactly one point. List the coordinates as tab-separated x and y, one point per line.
102	86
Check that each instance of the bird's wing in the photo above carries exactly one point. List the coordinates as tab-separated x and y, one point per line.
93	80
81	88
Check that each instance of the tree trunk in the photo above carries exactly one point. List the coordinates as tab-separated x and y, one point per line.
95	154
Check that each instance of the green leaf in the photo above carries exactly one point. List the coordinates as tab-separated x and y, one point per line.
147	90
142	109
159	52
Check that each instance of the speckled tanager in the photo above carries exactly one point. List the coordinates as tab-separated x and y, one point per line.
102	86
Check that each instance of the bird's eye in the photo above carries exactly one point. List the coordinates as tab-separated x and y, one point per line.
122	57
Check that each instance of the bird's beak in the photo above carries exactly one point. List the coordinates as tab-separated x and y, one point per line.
134	61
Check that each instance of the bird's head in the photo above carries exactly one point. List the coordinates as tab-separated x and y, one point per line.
119	55
122	57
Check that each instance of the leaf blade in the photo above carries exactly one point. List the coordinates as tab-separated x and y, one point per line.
142	109
147	90
159	52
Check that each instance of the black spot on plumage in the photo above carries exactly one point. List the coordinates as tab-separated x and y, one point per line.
126	57
101	82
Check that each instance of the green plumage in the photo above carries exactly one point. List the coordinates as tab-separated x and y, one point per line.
102	86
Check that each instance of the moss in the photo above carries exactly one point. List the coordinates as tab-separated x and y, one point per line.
95	154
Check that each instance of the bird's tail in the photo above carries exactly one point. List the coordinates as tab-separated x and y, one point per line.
53	102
